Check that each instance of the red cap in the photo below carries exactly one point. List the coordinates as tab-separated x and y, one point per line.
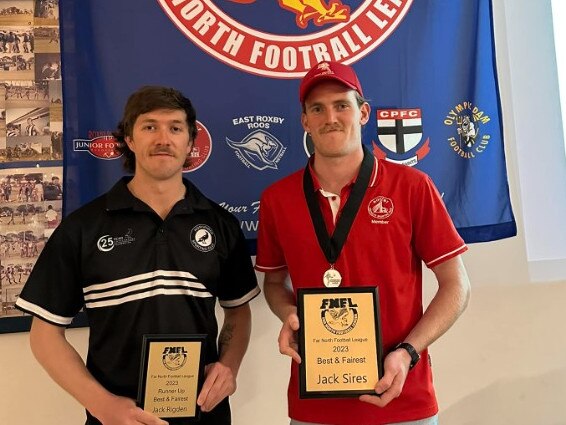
325	71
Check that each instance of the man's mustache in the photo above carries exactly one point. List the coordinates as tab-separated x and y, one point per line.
330	128
162	150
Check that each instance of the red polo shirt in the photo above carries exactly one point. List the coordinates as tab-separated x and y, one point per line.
402	222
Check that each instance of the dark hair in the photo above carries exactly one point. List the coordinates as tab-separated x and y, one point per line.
148	99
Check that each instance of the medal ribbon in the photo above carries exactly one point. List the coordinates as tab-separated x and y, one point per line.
332	245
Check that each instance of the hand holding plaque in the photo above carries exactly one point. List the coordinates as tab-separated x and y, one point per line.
339	342
172	370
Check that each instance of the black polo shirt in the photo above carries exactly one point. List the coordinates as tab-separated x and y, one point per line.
135	273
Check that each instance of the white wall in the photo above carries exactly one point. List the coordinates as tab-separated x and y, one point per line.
531	104
502	363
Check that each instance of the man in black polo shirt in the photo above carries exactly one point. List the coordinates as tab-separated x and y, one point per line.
149	257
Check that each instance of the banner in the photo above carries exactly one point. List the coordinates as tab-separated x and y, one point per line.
427	68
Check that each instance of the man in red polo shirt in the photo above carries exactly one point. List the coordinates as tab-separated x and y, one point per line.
399	222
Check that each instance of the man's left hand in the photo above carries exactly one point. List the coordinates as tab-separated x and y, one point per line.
390	386
220	383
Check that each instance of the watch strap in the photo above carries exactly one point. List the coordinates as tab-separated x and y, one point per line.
415	357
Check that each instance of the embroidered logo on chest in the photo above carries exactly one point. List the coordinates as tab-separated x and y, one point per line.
380	209
202	238
107	243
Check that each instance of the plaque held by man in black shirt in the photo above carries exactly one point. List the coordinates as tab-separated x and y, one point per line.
171	375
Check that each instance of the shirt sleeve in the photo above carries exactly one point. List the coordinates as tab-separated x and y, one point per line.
239	283
53	291
270	256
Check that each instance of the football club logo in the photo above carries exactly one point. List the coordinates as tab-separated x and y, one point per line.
202	238
202	148
339	315
102	147
400	133
380	208
326	30
469	136
174	358
259	150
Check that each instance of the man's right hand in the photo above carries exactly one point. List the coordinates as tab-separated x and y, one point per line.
288	343
64	364
123	411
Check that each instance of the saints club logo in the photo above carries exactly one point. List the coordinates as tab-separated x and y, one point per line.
339	315
174	358
326	30
469	137
102	147
400	133
202	238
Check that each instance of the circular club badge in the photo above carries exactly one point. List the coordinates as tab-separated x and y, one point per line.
339	321
325	31
174	358
380	207
203	238
201	151
105	148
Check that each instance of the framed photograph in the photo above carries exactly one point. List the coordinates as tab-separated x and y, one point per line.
30	210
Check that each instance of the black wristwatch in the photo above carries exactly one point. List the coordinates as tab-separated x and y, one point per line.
415	357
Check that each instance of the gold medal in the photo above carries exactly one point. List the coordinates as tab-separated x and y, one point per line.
332	278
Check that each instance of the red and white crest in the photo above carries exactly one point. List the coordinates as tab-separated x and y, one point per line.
345	35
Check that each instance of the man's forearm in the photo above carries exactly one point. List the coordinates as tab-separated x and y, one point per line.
447	305
65	366
279	294
235	336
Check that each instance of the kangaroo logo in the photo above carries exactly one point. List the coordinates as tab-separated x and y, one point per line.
259	150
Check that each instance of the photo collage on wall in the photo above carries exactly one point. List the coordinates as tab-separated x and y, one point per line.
31	139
